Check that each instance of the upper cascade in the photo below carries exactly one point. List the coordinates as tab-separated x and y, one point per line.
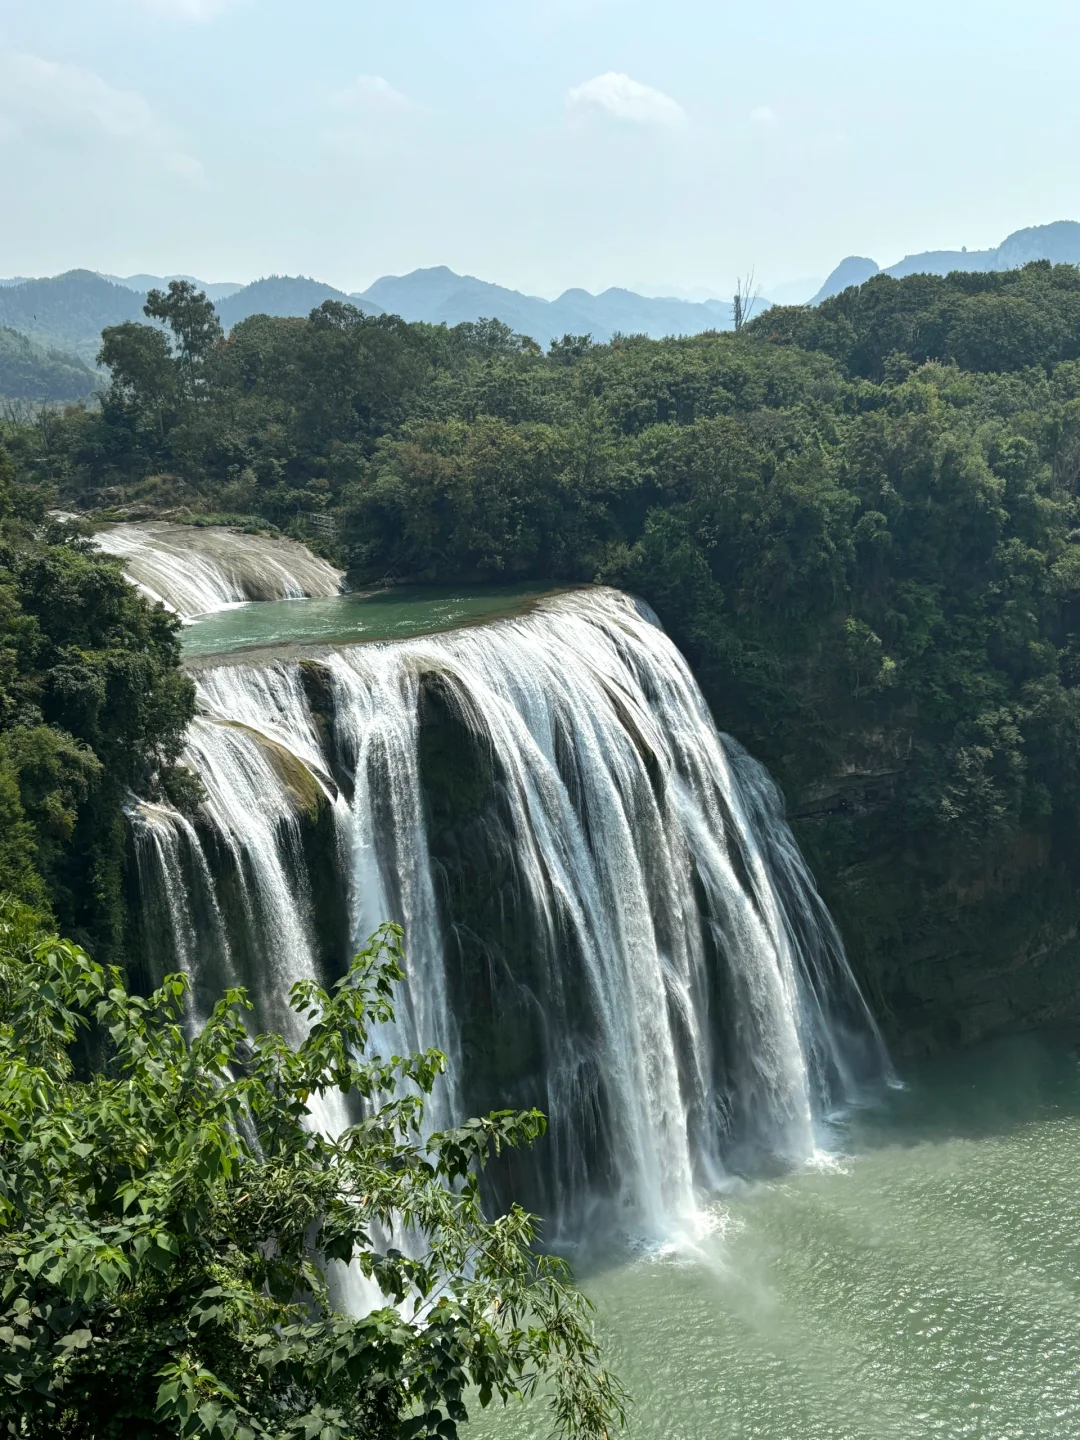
194	570
605	912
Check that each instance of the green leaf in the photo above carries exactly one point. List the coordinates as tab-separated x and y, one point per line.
209	1413
204	1143
76	1339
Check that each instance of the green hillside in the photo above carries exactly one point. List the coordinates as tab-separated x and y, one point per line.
69	311
31	372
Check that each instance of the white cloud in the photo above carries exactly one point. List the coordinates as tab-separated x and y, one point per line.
65	103
765	116
627	100
372	93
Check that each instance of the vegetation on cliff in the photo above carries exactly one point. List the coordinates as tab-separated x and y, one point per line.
92	705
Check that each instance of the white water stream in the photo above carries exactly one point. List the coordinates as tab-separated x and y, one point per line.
195	570
688	1004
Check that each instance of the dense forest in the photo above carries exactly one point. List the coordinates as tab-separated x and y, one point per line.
859	522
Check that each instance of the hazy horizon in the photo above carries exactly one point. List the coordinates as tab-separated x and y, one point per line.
589	143
787	290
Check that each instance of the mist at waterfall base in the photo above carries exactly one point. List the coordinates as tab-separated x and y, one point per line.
605	913
924	1282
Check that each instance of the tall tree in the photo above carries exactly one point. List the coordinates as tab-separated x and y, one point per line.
194	322
144	378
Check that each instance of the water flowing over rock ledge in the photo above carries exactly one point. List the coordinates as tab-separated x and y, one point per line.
194	570
605	912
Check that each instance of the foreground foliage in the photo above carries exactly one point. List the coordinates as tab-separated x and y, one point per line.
165	1223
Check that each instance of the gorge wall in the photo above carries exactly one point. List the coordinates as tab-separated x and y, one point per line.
948	952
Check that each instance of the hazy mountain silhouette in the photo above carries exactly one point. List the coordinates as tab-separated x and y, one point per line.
219	290
1058	242
283	295
853	270
440	296
69	312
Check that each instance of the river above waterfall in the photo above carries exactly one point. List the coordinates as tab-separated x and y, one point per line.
926	1282
393	614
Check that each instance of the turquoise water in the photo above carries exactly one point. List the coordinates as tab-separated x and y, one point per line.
393	614
923	1281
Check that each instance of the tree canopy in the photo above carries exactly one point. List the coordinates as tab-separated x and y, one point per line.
988	321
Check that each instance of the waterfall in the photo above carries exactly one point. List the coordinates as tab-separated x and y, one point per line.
605	912
194	570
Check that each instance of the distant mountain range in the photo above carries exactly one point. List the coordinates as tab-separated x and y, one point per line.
143	283
440	296
219	290
284	295
1058	242
68	312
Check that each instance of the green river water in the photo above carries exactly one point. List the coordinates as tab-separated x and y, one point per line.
393	614
924	1281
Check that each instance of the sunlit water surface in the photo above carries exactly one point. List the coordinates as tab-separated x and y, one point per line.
924	1283
393	614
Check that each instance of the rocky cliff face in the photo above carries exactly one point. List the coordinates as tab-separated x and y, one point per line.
948	954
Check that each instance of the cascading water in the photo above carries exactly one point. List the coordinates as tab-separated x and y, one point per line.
194	570
605	912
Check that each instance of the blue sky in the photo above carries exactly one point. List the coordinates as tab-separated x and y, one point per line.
538	143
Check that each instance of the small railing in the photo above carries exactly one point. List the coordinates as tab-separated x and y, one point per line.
325	524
